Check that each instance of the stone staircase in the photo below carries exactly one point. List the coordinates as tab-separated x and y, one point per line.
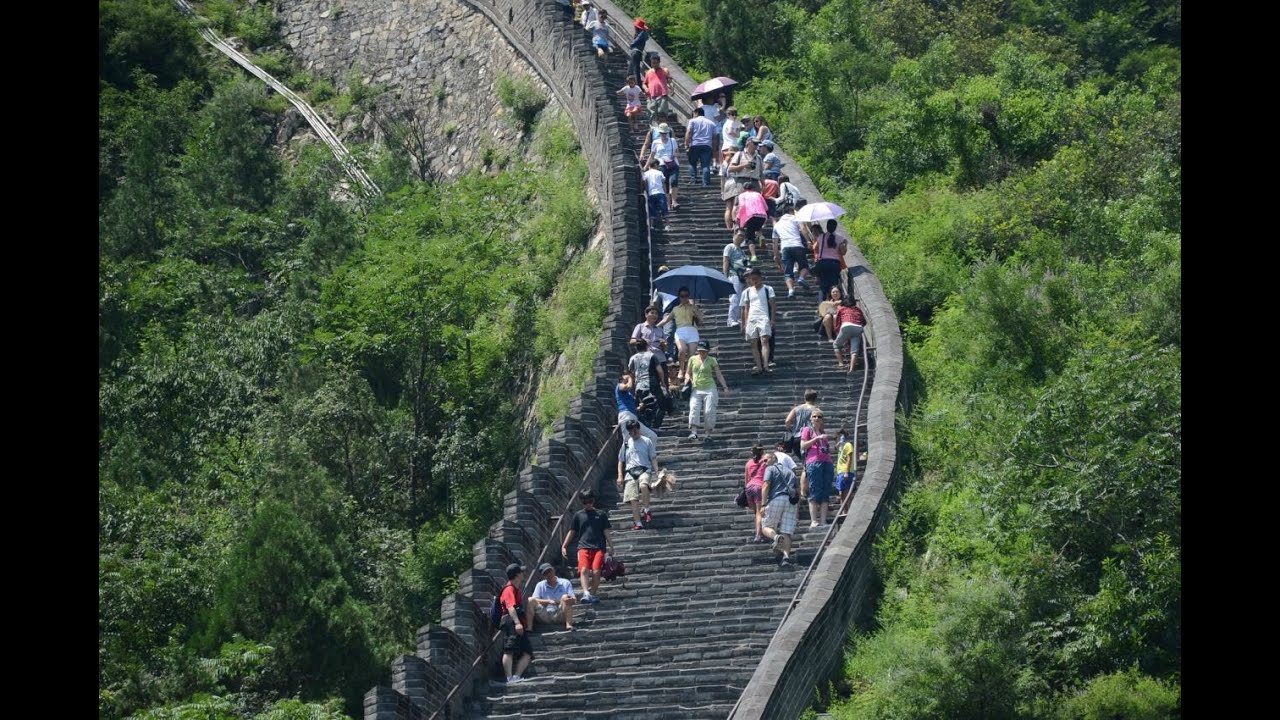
681	636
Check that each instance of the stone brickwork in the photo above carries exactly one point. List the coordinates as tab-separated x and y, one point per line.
400	44
440	56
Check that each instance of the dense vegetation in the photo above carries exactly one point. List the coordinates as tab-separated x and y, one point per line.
1014	172
306	412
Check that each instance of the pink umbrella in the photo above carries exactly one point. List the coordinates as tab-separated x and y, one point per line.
715	84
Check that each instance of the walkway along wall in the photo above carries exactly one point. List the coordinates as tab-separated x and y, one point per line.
807	647
421	682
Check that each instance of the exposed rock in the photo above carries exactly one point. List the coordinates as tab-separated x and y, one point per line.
445	45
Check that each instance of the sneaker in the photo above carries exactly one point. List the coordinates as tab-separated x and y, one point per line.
516	679
802	283
786	561
588	599
758	539
773	546
666	227
791	293
638	527
813	524
646	516
693	435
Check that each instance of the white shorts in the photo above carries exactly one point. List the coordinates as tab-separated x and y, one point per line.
758	328
687	334
549	613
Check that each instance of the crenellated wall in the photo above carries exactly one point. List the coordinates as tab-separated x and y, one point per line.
378	36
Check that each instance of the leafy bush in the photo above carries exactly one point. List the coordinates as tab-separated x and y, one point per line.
522	99
569	325
1129	695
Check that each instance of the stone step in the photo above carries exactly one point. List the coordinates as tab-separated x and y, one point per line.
664	642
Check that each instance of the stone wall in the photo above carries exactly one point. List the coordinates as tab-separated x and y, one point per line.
440	56
529	34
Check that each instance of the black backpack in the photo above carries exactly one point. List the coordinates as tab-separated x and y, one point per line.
495	611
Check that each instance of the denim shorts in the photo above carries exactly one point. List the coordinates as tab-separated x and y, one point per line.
794	256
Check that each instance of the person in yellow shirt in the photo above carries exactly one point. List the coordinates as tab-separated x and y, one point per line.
688	317
846	465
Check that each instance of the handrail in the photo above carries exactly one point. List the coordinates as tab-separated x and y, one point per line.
844	510
484	652
648	221
348	162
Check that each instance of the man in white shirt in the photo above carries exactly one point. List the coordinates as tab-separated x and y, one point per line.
784	460
757	318
656	191
786	231
553	598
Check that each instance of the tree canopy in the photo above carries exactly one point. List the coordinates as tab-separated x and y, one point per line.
305	405
1013	172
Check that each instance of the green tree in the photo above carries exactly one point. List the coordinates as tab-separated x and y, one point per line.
1129	694
147	35
738	35
284	584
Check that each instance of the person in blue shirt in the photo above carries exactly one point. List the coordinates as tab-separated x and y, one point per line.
624	396
772	163
637	45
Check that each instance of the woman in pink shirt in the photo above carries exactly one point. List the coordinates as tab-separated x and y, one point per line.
755	482
827	251
752	212
819	470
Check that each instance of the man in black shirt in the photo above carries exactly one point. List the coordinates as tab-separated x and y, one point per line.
591	527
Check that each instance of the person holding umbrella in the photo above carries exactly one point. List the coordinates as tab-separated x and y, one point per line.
703	401
688	318
827	252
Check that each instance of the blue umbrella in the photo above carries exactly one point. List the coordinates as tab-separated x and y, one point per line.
703	282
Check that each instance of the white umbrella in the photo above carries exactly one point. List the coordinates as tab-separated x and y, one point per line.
819	211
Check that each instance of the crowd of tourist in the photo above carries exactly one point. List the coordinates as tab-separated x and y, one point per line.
670	361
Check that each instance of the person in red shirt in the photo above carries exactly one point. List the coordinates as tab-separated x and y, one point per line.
517	648
850	320
656	81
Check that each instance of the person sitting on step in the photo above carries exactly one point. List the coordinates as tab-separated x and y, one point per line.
552	599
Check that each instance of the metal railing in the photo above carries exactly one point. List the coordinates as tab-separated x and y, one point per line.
366	185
